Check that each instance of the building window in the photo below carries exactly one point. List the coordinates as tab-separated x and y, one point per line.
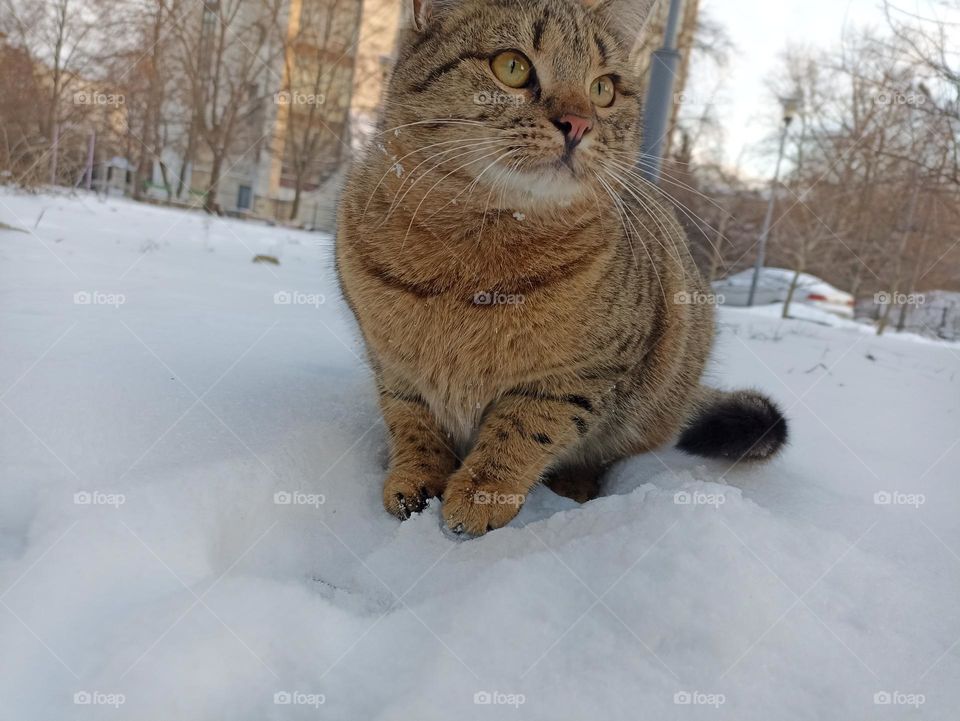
244	196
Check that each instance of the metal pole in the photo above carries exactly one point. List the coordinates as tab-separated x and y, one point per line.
765	233
55	157
90	156
656	116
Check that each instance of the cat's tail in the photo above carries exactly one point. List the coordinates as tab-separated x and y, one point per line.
739	425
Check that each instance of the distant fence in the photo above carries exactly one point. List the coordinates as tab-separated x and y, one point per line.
937	319
935	314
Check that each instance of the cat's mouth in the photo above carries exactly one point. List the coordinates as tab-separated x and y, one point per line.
566	167
556	181
566	163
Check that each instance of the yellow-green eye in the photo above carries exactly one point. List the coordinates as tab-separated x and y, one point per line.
513	69
602	92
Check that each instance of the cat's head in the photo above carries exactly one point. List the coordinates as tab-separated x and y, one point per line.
531	99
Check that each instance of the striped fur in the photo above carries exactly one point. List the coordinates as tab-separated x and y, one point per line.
521	323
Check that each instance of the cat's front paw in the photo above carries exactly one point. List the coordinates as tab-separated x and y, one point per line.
404	495
475	508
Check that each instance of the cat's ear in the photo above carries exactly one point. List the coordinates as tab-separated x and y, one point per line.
627	18
421	12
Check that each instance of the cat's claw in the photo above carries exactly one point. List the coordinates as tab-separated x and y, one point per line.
402	507
409	506
467	510
403	497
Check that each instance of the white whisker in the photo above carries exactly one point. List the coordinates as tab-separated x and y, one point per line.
398	161
436	121
434	186
398	200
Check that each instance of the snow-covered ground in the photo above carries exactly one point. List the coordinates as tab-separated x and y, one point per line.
190	521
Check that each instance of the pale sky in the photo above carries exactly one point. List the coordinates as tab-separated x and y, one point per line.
761	30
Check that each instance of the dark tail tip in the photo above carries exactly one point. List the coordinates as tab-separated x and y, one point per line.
741	426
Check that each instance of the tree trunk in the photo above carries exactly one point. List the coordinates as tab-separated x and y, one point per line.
164	173
717	256
905	237
139	174
187	159
885	313
794	282
210	203
297	192
902	320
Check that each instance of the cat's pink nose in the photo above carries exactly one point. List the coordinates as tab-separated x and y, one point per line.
573	127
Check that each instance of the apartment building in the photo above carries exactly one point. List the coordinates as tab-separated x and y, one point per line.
329	69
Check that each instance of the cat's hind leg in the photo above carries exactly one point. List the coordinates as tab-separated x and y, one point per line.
577	481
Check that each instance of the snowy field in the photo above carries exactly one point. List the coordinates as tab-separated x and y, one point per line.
190	521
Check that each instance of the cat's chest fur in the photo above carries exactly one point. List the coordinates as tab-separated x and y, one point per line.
463	348
469	304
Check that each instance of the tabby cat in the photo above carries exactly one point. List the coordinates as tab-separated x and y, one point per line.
529	305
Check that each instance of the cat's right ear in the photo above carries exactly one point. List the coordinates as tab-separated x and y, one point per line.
419	13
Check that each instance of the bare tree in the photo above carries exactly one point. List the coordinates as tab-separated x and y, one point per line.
56	36
227	52
314	112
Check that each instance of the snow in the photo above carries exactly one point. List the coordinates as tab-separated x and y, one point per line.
813	314
190	520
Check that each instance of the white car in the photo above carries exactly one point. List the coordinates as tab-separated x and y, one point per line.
774	285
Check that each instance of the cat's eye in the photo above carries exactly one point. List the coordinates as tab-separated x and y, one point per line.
602	92
512	68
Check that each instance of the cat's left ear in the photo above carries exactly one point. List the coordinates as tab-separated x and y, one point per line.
628	18
421	12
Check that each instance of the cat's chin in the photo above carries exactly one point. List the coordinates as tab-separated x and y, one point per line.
550	186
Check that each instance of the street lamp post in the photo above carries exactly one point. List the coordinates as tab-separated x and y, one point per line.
790	108
656	117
